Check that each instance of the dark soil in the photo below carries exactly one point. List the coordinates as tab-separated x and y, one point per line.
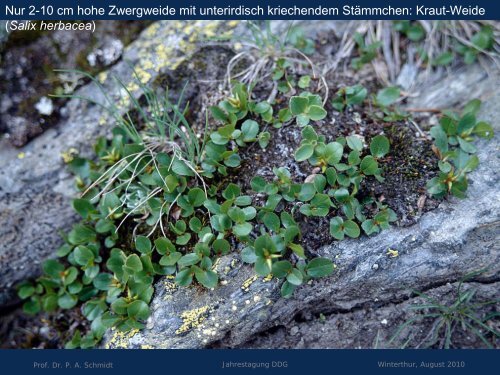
406	169
43	331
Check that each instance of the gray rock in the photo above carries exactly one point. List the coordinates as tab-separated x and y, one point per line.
459	237
107	53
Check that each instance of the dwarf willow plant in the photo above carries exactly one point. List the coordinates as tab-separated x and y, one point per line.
453	144
156	201
152	204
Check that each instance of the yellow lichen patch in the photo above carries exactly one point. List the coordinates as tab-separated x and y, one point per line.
210	29
170	285
69	155
21	155
144	76
120	340
234	263
392	253
216	264
147	347
153	29
148	64
101	77
267	278
247	283
102	120
192	319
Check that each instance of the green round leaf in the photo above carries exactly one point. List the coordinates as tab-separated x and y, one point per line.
258	184
319	267
103	281
70	275
483	130
232	191
207	278
83	255
304	152
134	262
351	229
183	239
333	152
440	138
67	301
379	146
281	269
195	224
298	105
49	302
262	266
271	221
32	306
164	245
369	165
196	197
83	207
287	289
143	244
316	113
171	259
138	309
295	277
354	143
369	226
53	268
242	230
307	192
184	277
188	260
236	214
26	291
388	96
248	255
249	129
221	246
336	228
341	195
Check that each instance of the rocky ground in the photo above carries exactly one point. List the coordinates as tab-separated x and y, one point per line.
372	291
